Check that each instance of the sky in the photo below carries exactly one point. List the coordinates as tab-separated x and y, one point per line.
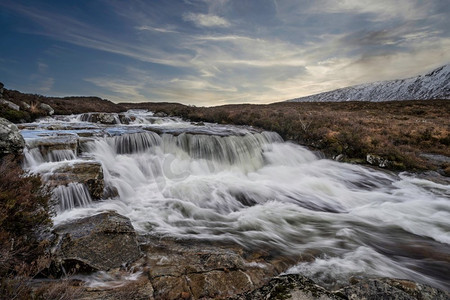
215	52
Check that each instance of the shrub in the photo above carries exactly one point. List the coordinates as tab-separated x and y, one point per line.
24	221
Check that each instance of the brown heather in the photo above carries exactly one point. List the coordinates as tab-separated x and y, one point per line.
24	220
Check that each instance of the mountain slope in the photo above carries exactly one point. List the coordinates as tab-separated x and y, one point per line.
433	85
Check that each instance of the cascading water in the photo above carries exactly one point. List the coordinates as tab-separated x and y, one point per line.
254	189
71	196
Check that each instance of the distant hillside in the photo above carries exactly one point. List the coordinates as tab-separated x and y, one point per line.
433	85
66	105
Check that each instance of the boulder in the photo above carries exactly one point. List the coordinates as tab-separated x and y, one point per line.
193	269
89	173
50	111
388	288
376	160
10	104
296	286
11	141
291	286
26	105
103	118
160	114
100	242
53	148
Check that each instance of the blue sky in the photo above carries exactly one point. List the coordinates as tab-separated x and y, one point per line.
206	52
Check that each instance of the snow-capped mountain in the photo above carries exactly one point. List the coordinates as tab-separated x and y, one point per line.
434	85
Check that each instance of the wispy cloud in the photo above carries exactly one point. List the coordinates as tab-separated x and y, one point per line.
155	29
207	52
202	20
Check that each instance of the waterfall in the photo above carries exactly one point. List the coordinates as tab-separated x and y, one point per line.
73	195
234	184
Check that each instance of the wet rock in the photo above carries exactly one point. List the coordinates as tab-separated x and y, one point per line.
195	270
388	288
90	173
292	286
11	141
47	108
376	160
160	114
10	104
51	147
125	119
103	118
99	242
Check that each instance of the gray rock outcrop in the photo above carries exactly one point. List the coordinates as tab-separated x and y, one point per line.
298	287
11	141
99	242
90	173
50	111
10	104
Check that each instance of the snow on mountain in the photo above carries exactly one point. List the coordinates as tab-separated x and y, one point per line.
433	85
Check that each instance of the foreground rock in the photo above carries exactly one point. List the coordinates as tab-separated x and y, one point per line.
298	287
11	141
388	288
100	242
89	173
196	270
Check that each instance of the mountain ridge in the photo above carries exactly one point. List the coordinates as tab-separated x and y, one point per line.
432	85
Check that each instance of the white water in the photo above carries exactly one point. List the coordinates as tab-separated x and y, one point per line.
258	191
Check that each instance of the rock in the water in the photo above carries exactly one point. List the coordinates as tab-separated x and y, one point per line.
298	287
196	270
11	141
388	288
99	242
160	114
89	173
292	286
103	118
10	104
55	148
50	111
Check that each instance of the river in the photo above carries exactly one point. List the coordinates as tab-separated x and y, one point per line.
238	184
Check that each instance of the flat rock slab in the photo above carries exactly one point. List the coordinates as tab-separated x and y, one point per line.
99	242
198	270
89	173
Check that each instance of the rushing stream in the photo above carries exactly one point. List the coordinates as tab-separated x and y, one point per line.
217	182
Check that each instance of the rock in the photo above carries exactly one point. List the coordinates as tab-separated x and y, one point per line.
99	242
1	89
25	105
292	286
51	148
124	119
11	141
103	118
160	114
89	173
388	288
376	160
10	104
50	111
196	270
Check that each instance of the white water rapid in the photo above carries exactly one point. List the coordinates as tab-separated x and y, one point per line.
235	184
